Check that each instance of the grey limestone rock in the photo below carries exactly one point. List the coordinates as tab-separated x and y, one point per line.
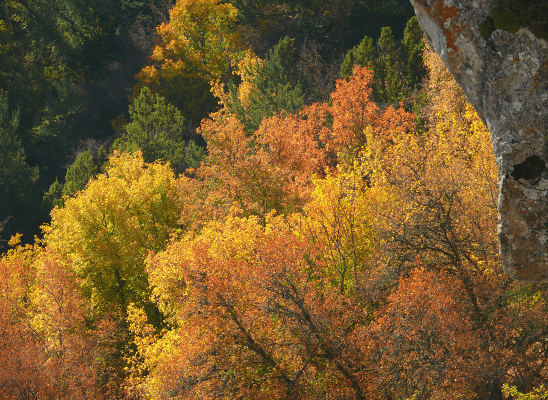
504	76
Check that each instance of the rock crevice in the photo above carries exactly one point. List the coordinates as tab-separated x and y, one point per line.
505	77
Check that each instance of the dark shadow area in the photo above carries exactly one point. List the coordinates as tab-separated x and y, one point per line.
529	169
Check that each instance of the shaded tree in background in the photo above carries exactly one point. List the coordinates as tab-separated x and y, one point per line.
337	25
16	176
53	135
397	72
49	42
53	197
156	129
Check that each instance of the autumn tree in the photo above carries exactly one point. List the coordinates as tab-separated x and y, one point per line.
48	347
199	44
273	167
355	114
46	352
337	218
22	374
264	283
58	318
103	235
444	219
253	316
106	231
240	172
426	343
440	250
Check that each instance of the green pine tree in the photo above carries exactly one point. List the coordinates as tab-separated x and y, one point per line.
156	128
276	87
398	70
412	47
79	174
53	197
364	55
85	167
388	85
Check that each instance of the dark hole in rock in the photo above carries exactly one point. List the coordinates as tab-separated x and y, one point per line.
487	27
529	169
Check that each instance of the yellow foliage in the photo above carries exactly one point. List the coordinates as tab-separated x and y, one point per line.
232	238
445	183
172	274
243	68
338	218
107	230
151	351
200	44
17	274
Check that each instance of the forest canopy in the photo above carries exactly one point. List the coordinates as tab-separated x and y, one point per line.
255	199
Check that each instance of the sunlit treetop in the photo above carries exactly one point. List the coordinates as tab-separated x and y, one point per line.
201	43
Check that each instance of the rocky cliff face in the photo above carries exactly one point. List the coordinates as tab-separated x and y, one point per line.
505	77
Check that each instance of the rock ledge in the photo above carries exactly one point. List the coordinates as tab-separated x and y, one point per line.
505	78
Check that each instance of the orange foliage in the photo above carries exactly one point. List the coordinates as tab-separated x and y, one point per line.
269	171
292	141
426	341
273	169
335	253
354	112
45	351
22	373
255	318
